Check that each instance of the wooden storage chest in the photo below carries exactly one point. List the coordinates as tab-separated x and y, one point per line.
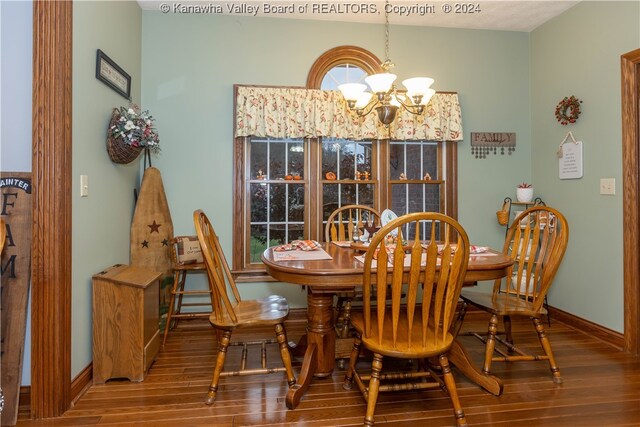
126	336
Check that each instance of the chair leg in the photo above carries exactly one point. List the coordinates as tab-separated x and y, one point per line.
343	332
546	306
458	324
491	343
355	354
281	336
507	329
374	387
172	301
546	346
450	383
183	279
222	355
339	303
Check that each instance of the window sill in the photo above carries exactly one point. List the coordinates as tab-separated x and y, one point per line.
252	276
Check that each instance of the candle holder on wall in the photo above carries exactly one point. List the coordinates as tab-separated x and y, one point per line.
484	143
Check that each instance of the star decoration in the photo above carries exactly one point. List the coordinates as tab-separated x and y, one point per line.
154	227
145	244
165	242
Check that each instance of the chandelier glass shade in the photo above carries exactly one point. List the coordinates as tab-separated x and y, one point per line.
384	96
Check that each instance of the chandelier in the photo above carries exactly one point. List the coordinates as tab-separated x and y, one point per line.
387	99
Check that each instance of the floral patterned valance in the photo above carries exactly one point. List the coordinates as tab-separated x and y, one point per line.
311	113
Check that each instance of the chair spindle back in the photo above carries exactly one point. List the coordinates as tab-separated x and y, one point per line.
344	221
536	241
218	271
434	261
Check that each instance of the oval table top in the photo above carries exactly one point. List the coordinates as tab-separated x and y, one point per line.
344	271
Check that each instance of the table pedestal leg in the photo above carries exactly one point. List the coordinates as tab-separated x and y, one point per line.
319	358
298	349
459	357
304	379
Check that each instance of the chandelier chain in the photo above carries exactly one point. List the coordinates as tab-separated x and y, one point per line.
386	100
386	31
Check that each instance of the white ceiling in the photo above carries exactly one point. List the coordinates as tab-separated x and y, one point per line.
506	15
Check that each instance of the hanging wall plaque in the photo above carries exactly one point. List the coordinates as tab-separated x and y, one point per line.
483	143
570	158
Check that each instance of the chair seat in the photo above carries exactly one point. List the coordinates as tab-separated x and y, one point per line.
267	311
401	350
501	304
190	267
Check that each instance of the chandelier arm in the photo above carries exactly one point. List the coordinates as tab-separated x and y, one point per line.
371	105
410	107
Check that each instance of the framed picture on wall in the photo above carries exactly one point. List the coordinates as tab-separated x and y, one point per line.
110	73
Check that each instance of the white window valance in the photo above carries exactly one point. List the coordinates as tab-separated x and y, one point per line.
280	112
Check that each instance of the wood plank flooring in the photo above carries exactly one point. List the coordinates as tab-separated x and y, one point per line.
601	388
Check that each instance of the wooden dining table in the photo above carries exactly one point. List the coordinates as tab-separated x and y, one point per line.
343	272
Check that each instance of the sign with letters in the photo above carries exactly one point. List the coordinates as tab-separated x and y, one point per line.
483	143
15	269
570	160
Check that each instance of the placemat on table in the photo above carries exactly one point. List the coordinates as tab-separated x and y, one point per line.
300	255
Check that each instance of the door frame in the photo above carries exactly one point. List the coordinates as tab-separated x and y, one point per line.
51	231
630	68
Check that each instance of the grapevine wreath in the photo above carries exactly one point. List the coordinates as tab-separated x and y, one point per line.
568	110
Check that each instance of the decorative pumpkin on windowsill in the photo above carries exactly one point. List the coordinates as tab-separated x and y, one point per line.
130	131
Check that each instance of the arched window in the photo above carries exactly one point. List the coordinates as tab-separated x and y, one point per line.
342	64
352	163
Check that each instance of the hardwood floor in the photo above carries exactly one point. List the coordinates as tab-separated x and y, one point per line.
601	388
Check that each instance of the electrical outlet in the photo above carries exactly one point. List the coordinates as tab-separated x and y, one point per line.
84	185
608	186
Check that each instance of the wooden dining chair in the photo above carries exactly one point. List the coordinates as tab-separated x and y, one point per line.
348	221
186	258
536	241
417	327
232	312
346	224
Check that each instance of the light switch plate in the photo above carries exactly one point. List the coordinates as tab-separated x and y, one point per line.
84	185
608	186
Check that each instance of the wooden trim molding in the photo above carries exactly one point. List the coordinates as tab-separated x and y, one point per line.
51	243
607	335
587	327
79	386
81	383
340	55
24	401
452	179
630	67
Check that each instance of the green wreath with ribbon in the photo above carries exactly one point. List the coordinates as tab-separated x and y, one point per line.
568	110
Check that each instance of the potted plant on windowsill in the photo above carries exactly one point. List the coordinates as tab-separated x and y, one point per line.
524	192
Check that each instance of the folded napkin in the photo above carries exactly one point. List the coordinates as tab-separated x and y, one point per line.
303	245
473	249
390	249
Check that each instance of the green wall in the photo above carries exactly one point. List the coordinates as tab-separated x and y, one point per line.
190	63
578	53
507	82
101	222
